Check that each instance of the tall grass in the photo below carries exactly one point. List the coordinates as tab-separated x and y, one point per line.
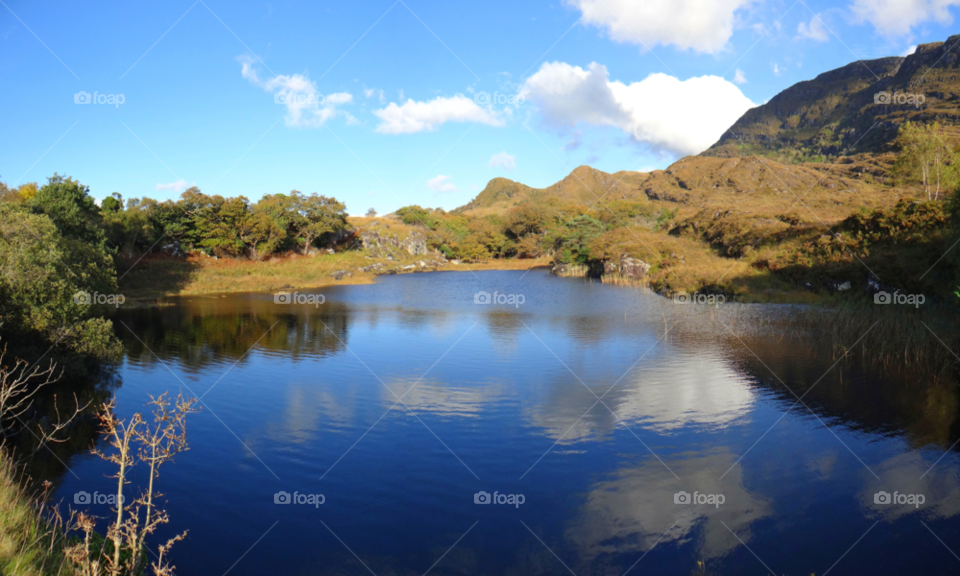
928	336
29	544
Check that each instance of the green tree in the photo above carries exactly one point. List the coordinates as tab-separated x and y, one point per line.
112	203
44	277
71	208
926	158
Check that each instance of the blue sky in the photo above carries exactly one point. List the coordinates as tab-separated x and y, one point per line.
396	97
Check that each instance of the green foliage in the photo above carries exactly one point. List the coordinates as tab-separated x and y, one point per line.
926	158
573	238
43	272
665	217
71	208
230	227
112	203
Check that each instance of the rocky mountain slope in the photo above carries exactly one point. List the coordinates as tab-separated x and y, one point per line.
846	111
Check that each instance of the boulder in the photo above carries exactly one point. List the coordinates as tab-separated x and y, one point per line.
415	244
633	268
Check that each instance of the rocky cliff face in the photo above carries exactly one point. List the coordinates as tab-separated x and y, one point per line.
387	246
845	112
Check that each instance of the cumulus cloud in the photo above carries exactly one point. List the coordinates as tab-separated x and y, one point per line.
701	25
910	50
441	183
680	117
739	77
503	160
175	187
814	30
898	17
413	116
306	106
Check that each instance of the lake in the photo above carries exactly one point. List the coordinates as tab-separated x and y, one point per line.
564	427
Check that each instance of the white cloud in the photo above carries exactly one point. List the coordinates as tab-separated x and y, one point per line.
503	160
681	117
306	106
910	50
701	25
776	69
441	183
412	116
815	30
898	17
739	77
175	187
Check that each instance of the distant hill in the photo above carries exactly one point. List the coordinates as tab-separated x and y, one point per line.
836	114
582	186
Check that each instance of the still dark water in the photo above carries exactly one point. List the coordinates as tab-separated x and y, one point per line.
400	402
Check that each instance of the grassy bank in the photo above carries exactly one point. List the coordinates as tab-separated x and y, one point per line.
28	545
159	276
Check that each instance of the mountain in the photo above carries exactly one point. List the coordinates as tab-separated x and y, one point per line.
837	113
584	185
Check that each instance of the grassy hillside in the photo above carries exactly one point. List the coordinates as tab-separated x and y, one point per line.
835	113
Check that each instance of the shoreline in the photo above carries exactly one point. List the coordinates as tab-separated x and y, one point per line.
207	277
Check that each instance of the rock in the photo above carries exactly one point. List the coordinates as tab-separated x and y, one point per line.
330	251
173	249
384	246
633	268
415	244
339	274
610	268
455	262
